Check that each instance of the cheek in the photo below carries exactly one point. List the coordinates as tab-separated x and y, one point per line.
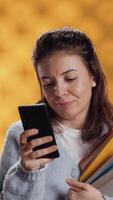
48	95
83	89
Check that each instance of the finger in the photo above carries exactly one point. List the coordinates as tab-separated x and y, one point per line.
40	141
77	184
41	152
72	195
25	150
75	189
26	134
28	148
35	164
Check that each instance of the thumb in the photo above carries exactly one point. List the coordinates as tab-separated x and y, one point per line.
75	183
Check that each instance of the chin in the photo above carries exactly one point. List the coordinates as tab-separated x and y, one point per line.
67	115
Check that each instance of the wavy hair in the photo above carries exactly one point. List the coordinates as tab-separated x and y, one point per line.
73	41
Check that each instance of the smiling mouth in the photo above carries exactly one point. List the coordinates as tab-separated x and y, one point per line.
64	103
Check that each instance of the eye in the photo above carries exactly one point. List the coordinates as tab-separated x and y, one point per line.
70	79
48	85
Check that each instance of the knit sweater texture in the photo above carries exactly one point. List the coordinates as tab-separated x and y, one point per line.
48	183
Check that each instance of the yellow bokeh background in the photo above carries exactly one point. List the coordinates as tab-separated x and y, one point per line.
21	22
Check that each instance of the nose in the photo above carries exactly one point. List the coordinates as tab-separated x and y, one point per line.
60	89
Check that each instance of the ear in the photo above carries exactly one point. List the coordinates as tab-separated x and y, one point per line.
93	81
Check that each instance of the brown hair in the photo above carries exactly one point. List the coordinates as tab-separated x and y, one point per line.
73	41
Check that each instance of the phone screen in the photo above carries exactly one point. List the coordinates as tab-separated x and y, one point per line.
37	116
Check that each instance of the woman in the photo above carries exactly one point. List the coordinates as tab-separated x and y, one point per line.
74	87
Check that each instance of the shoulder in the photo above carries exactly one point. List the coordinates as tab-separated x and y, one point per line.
16	126
14	130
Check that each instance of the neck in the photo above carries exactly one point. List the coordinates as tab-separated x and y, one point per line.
75	124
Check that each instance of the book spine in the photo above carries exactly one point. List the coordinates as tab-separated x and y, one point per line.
99	160
103	179
91	156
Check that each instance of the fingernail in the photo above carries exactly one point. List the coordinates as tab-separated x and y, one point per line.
55	147
69	179
50	138
24	140
35	130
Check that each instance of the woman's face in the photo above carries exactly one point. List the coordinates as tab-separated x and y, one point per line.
67	86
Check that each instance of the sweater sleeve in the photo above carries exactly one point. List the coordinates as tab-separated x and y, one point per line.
10	153
24	185
15	181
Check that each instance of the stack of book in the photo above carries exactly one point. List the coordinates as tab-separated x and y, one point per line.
97	167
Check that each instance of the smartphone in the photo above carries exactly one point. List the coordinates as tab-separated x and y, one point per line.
37	116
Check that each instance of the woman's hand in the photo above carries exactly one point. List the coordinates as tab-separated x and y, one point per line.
31	159
82	191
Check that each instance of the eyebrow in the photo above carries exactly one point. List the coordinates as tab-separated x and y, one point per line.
65	72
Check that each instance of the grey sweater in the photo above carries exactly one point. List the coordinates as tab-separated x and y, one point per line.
47	183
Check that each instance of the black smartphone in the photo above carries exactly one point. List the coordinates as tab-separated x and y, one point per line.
37	116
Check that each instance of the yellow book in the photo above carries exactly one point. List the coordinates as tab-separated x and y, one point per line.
104	154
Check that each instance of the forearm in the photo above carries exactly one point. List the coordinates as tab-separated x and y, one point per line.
24	185
10	154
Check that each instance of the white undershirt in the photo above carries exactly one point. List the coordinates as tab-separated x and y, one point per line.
71	139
